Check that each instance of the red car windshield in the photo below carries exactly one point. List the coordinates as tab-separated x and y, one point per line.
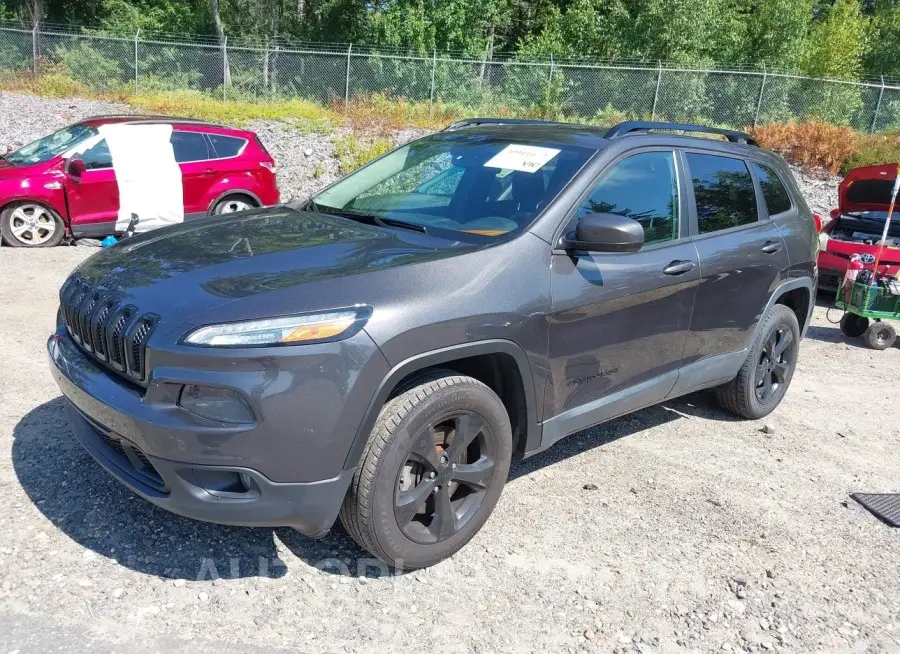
50	146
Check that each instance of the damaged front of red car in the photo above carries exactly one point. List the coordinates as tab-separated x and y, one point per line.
857	224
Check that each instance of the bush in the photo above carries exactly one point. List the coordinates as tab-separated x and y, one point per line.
89	67
353	153
811	143
874	149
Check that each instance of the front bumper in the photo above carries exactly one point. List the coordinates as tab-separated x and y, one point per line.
106	418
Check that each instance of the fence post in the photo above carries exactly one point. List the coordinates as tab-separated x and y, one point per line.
273	73
762	87
550	77
878	106
656	95
136	35
34	52
433	71
225	69
347	79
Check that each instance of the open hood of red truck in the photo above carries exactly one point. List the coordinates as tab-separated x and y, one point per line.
867	188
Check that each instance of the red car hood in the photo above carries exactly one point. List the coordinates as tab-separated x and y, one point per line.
8	171
867	188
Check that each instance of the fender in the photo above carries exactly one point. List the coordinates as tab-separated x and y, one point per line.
442	356
40	190
808	283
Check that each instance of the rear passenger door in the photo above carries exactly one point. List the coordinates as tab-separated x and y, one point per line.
742	253
197	175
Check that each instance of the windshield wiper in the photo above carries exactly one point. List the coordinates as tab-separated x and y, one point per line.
367	218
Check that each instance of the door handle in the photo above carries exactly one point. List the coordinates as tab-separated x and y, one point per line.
771	247
678	267
209	171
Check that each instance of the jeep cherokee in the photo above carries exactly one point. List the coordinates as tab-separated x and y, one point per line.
384	350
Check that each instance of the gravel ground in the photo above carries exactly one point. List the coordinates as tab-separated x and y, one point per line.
677	528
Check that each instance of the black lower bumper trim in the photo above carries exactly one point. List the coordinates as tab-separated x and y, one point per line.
309	507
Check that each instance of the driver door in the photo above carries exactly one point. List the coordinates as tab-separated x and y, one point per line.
620	321
94	196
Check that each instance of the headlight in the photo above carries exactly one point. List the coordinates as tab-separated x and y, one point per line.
285	330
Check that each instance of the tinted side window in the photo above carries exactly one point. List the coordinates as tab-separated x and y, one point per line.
97	156
723	190
226	146
774	193
644	187
189	146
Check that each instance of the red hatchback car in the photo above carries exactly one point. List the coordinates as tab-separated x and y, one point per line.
857	224
71	183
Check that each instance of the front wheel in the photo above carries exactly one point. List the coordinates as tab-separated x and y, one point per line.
767	372
28	224
432	471
880	335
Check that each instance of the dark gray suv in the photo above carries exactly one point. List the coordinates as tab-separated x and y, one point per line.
384	350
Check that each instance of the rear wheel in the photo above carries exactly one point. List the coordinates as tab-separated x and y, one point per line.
28	224
880	335
766	374
432	471
853	325
234	204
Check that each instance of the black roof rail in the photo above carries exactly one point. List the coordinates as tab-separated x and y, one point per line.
644	126
474	122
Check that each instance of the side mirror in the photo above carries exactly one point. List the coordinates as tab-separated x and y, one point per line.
76	168
605	232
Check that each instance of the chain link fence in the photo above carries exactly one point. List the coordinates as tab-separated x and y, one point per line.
603	92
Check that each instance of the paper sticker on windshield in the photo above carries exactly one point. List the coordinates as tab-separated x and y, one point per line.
527	158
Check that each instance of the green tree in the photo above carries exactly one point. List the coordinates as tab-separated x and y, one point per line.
837	42
882	55
778	32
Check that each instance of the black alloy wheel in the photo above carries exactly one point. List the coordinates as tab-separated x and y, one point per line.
445	478
775	360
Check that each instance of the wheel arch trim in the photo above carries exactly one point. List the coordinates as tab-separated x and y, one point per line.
438	357
234	191
790	285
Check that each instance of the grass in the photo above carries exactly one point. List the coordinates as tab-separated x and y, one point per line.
353	151
194	104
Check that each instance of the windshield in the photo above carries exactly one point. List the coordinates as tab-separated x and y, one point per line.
466	183
50	146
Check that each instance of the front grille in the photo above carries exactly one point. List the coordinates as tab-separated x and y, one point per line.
113	333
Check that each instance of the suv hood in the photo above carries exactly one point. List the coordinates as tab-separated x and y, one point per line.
867	189
183	270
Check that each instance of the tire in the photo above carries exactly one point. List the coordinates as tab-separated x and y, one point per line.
880	335
31	225
766	374
410	469
233	204
853	325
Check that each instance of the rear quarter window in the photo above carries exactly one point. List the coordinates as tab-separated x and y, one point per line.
775	194
189	147
723	192
226	146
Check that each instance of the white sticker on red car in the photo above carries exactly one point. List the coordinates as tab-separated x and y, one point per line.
526	158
